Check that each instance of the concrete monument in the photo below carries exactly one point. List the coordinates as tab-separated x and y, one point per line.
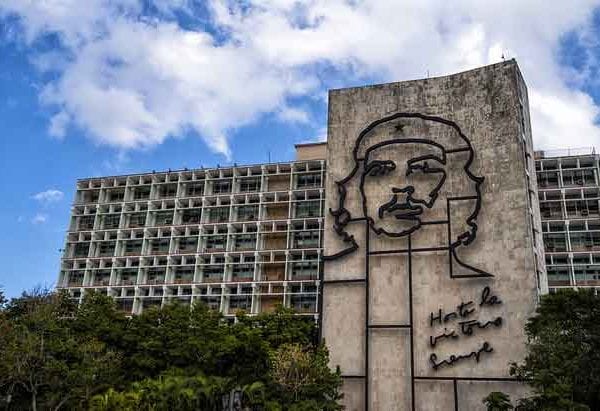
433	258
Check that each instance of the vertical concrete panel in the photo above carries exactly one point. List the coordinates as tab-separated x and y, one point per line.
343	330
389	290
354	397
390	364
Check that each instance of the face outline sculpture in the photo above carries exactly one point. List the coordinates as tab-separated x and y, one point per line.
407	205
408	200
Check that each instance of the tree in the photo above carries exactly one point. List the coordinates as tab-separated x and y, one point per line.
43	363
302	376
497	401
57	355
563	359
282	326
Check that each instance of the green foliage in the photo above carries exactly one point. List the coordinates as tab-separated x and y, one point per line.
299	373
563	360
56	355
43	360
282	326
497	401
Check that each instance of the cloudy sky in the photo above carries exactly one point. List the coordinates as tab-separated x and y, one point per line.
109	87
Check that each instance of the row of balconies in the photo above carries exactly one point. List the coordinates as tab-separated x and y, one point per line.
573	275
570	178
292	271
156	191
572	241
174	260
194	245
200	175
255	300
569	209
213	215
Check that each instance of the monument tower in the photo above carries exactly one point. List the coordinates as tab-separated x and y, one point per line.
433	250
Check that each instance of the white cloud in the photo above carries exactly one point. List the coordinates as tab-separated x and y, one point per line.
58	124
132	82
39	219
49	196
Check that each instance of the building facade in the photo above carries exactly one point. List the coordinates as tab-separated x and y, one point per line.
404	236
237	238
433	254
569	196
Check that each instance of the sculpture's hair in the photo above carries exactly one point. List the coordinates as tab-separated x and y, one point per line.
342	216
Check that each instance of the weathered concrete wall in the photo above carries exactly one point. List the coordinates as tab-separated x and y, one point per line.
311	151
413	265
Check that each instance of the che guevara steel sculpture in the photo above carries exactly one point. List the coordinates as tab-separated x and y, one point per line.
408	168
408	204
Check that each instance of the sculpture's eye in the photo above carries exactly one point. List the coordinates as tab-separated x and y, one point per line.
427	166
380	168
418	166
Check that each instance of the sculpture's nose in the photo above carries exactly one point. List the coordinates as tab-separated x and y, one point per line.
407	191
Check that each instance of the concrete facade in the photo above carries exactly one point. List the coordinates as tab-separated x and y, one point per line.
569	195
433	246
235	238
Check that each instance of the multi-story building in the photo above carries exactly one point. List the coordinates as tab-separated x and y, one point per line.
250	237
569	194
237	238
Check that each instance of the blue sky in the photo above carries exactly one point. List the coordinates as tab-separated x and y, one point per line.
128	86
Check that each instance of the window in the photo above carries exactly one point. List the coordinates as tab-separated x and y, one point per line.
249	185
102	277
309	180
195	190
219	214
107	248
160	246
213	273
245	241
86	222
111	221
310	288
213	303
116	196
306	270
128	278
191	216
91	196
306	239
243	272
133	247
184	275
222	186
141	193
164	218
551	209
240	303
155	276
76	279
137	220
81	250
308	209
169	190
188	244
303	303
555	242
216	242
548	179
247	212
